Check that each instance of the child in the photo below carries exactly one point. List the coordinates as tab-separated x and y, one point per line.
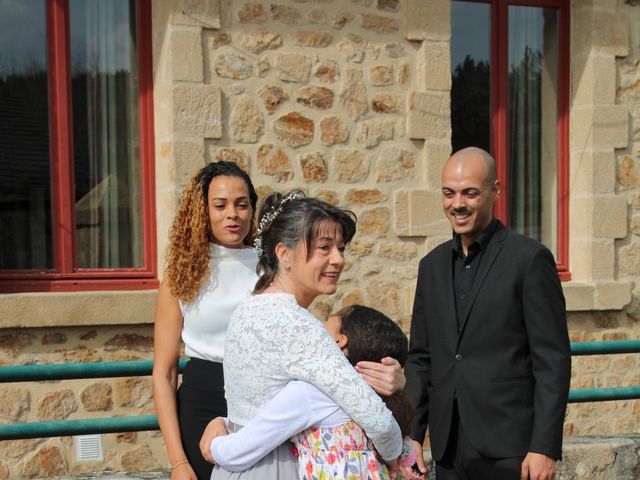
326	441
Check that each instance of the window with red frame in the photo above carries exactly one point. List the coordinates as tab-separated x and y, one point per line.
510	96
76	148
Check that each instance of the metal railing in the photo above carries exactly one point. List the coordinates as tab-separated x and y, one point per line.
55	428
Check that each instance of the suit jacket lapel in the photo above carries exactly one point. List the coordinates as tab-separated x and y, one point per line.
488	258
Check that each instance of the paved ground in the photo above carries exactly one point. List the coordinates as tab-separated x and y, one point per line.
159	475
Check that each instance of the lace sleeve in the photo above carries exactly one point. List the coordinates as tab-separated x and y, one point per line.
313	356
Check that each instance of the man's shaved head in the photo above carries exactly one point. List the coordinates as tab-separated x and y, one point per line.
464	154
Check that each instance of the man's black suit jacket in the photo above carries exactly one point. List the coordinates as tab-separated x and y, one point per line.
510	367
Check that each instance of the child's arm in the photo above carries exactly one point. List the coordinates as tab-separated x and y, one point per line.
296	407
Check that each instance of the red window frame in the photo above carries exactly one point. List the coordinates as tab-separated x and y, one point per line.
499	113
66	276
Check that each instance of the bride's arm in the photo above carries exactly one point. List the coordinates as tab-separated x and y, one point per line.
292	410
310	354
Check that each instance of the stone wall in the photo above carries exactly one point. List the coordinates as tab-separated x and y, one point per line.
605	207
69	399
349	101
334	97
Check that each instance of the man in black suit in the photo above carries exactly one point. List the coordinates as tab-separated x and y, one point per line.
489	362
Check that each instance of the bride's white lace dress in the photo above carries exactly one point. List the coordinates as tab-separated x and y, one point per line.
271	340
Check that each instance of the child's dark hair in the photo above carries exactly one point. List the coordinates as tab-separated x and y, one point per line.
297	218
373	336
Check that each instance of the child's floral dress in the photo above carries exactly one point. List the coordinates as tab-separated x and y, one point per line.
337	453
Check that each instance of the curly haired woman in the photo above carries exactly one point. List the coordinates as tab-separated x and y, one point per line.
210	270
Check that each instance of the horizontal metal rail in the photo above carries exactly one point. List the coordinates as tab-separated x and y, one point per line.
70	371
603	394
604	348
59	428
56	428
85	426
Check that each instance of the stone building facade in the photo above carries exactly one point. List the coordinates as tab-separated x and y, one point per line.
349	101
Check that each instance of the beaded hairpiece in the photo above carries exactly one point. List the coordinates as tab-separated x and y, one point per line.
268	218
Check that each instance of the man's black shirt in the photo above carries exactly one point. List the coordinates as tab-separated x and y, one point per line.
465	268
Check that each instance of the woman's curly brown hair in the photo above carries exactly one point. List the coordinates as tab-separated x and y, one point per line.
190	234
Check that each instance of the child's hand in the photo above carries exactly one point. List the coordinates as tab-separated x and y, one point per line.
412	451
216	428
385	377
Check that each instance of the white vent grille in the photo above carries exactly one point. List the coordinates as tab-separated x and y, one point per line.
88	447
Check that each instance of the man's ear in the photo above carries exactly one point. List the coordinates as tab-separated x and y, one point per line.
496	189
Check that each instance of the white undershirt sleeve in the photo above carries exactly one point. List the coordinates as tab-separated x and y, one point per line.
296	407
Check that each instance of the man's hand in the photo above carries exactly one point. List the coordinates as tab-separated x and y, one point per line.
216	428
537	466
385	377
407	472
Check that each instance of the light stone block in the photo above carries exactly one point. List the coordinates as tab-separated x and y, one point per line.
610	32
579	297
612	295
610	216
292	67
197	111
186	55
603	259
581	36
163	113
53	309
592	259
593	172
629	260
418	213
602	216
601	126
188	157
429	115
246	124
435	154
589	5
428	20
595	82
581	217
432	242
409	299
434	66
580	259
199	13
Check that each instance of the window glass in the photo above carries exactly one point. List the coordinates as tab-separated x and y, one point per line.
533	120
526	49
471	75
25	177
106	136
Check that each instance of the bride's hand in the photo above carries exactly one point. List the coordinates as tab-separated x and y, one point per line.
216	428
385	377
